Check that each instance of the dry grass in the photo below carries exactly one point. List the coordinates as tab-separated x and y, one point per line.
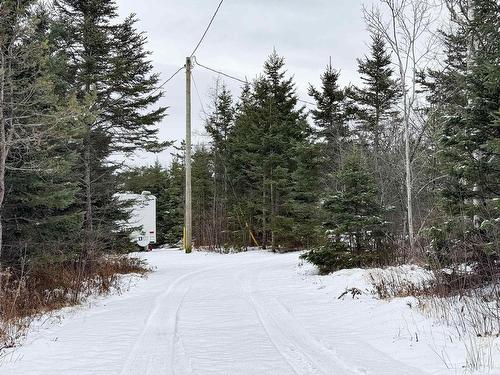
464	301
48	286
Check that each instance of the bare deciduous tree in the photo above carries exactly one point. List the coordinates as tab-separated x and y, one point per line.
406	26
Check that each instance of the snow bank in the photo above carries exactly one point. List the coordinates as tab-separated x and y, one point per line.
426	330
251	313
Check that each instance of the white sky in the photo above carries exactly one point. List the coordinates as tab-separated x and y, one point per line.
243	34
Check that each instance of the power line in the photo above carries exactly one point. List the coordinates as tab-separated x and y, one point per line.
219	72
195	48
199	96
168	80
206	30
306	102
239	80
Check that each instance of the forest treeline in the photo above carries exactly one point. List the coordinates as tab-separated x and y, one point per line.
421	131
402	166
76	88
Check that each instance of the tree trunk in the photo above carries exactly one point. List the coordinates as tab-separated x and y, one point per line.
273	239
3	150
3	156
89	228
409	192
264	221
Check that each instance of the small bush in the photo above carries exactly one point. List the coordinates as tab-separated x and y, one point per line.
337	256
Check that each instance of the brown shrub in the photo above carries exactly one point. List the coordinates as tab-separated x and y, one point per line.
49	285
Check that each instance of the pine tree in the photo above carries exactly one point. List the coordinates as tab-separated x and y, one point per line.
104	63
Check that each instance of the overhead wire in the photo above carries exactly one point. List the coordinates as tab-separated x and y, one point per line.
195	48
206	30
218	71
169	79
199	96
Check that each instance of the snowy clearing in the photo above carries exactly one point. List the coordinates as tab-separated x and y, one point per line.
239	314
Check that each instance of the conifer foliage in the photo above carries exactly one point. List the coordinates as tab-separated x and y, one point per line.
466	96
377	98
356	232
269	135
37	191
106	66
77	87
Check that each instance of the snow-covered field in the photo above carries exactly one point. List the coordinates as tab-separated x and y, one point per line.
248	313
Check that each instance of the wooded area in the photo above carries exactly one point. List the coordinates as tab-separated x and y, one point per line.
403	167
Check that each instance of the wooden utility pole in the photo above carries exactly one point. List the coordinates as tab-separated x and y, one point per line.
187	160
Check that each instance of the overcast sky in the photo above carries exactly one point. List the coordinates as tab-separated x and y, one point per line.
243	34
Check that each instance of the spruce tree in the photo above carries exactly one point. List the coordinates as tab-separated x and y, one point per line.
106	66
219	125
174	206
377	122
377	98
37	140
331	117
354	226
466	96
203	198
268	131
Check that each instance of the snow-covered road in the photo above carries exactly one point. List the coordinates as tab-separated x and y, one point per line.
248	313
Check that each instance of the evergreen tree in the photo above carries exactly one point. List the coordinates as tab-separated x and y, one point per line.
304	206
268	131
355	229
203	198
219	125
174	206
376	100
466	96
330	117
353	213
36	155
377	124
104	63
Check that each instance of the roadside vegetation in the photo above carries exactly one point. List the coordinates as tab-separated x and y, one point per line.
76	87
403	168
51	284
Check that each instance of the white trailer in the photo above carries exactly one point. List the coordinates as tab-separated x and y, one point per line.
142	216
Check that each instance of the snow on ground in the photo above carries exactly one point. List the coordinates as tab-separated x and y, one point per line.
241	314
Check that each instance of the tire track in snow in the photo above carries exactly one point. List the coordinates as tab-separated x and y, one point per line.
162	322
322	355
269	335
179	363
298	348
